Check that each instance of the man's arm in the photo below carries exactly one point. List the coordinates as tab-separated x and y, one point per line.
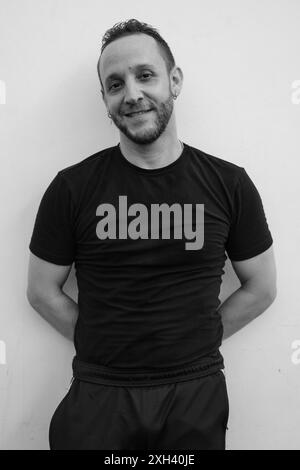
45	295
257	292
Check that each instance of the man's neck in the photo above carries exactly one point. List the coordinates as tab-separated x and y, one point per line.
152	156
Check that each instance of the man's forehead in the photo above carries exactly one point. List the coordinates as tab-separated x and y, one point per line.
129	52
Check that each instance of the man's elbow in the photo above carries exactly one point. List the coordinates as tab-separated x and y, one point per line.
270	295
30	297
263	294
273	294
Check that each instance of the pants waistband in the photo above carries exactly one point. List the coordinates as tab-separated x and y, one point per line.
110	376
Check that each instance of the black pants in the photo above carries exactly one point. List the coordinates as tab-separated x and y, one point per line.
190	414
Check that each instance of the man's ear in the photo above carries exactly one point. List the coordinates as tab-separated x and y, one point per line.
104	99
177	78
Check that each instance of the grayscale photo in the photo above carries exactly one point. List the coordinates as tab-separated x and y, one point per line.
150	158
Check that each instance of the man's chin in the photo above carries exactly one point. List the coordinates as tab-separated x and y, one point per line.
141	137
141	140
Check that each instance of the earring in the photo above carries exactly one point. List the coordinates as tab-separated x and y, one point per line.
109	115
175	96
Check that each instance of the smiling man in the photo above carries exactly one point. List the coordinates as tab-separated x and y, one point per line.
148	223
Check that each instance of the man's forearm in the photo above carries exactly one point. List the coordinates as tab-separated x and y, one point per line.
241	307
60	311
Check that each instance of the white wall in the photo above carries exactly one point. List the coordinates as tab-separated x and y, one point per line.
240	61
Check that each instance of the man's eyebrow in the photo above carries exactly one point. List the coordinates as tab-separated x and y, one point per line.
137	67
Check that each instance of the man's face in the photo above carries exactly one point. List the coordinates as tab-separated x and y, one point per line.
134	78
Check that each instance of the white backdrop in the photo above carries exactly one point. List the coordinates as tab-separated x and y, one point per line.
240	101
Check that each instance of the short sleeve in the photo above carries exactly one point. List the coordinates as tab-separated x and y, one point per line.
53	238
249	234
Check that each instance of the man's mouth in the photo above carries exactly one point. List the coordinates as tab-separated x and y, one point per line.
137	113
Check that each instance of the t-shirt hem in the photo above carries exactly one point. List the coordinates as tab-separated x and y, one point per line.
103	375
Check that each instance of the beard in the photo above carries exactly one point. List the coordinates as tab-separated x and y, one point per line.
147	133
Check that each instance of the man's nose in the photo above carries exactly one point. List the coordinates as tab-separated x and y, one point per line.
133	92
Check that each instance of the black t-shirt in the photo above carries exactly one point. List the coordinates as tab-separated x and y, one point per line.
149	250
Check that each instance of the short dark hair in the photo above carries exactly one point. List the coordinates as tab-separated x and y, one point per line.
133	26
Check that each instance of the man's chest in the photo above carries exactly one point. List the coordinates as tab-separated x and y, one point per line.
183	226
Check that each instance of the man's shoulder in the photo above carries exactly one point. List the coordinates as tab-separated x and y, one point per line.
216	165
88	163
216	160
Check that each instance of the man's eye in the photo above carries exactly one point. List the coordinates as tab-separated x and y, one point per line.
112	86
146	73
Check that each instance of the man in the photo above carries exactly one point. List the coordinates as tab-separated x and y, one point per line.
147	223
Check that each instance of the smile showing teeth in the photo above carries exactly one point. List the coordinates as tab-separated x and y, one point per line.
138	113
